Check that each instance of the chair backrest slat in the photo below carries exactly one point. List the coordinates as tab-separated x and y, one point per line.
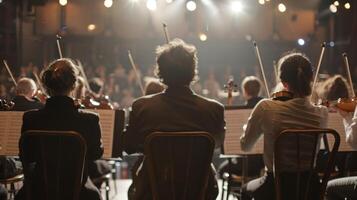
302	167
178	164
53	153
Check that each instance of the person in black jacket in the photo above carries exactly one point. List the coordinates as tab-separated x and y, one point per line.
60	113
24	99
177	108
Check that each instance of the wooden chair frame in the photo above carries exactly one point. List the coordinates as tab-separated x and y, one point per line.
59	134
304	132
172	135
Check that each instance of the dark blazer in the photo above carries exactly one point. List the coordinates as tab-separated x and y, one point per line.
23	104
60	113
252	102
175	109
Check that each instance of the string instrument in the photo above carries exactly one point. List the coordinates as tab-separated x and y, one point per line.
136	73
6	105
347	104
323	46
230	87
40	93
257	53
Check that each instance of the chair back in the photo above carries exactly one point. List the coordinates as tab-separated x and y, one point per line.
53	164
179	164
295	153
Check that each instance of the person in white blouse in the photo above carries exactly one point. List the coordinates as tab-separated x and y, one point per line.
270	117
345	188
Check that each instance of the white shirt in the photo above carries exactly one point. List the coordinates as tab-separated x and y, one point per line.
270	117
350	123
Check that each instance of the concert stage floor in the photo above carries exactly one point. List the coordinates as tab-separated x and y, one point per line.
123	185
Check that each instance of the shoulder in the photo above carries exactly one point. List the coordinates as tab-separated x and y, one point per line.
210	102
88	114
146	99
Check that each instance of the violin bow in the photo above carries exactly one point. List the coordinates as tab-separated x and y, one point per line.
59	49
10	73
81	70
323	47
256	48
345	59
166	32
136	72
39	82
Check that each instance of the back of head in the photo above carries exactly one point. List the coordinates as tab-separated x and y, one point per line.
60	77
251	86
295	70
333	88
176	63
26	87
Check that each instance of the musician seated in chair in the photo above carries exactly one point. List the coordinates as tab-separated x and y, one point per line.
60	113
25	91
345	188
177	108
270	117
251	86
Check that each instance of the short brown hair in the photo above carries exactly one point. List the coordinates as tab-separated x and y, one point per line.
26	86
251	86
60	77
333	88
176	63
295	69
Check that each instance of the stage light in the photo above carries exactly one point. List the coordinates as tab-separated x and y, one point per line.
347	6
333	8
301	42
336	3
151	5
261	2
191	6
63	2
168	1
281	7
108	3
0	1
332	44
237	6
91	27
203	37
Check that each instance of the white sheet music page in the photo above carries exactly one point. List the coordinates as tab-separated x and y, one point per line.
106	121
235	120
10	131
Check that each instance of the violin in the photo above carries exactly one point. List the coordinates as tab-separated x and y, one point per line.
230	87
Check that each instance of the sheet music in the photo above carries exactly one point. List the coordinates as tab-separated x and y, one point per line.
335	122
236	118
10	131
106	121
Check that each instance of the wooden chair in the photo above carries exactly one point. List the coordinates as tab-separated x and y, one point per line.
294	170
178	164
12	181
59	157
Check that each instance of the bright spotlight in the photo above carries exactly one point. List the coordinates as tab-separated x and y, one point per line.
91	27
301	42
347	5
108	3
332	44
191	6
203	37
261	2
63	2
0	1
151	5
237	6
336	3
168	1
281	7
333	8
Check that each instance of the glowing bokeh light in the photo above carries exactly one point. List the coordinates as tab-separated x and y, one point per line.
91	27
108	3
336	3
191	6
151	5
63	2
237	6
347	5
203	37
261	2
281	7
301	42
333	8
